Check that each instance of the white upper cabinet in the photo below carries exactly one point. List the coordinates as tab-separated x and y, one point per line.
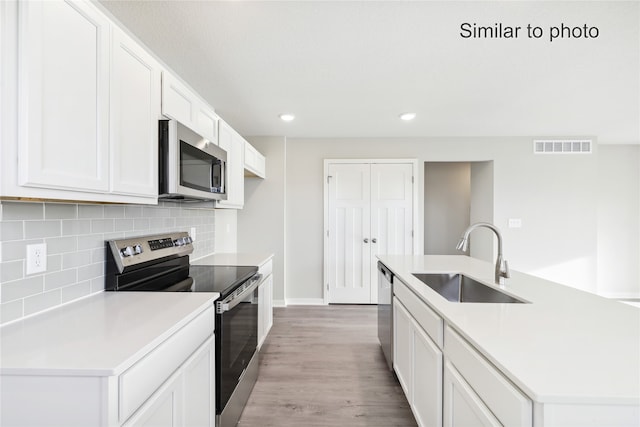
80	104
254	162
182	104
233	143
134	114
63	108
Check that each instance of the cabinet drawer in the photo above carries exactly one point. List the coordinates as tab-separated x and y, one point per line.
141	380
506	402
425	316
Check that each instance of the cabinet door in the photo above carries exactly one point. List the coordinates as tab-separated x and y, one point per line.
462	406
164	407
230	141
402	346
426	362
254	162
134	114
182	104
199	387
64	96
265	315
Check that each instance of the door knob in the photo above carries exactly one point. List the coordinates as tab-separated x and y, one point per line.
374	240
366	240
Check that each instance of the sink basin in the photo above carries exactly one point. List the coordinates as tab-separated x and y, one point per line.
460	288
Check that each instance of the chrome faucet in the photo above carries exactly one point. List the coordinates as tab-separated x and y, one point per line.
502	267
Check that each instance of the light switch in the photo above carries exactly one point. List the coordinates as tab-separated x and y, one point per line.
515	223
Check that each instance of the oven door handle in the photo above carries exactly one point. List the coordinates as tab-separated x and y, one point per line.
232	300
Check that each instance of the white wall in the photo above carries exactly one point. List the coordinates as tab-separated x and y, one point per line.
447	205
482	209
554	195
226	230
618	228
261	224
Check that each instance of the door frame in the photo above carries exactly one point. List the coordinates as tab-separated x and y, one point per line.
417	221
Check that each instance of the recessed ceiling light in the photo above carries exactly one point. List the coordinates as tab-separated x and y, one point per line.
287	117
407	116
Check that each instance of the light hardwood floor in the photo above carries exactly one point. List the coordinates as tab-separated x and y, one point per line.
323	366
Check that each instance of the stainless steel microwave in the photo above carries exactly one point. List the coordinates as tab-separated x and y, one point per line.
191	167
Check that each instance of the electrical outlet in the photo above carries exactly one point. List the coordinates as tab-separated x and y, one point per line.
36	258
515	223
192	233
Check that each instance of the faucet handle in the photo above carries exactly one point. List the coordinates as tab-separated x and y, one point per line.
504	272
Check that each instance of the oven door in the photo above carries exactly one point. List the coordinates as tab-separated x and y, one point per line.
236	340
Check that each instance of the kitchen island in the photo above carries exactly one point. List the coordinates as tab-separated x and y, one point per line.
575	356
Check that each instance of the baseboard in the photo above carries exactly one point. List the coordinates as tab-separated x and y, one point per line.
279	303
305	301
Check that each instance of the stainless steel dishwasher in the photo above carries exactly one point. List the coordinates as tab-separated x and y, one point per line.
385	312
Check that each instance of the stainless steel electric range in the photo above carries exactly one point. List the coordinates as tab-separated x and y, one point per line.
160	263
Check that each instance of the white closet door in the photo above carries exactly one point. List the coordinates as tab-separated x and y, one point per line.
349	240
391	213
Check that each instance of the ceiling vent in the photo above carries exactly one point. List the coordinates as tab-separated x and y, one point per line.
562	146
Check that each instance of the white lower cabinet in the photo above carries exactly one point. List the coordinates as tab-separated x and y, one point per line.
173	384
472	392
418	365
265	302
462	406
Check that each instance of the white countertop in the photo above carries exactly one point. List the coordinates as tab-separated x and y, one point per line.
566	346
100	335
255	259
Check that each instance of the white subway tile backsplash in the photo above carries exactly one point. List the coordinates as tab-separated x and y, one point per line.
76	291
141	224
42	301
16	249
11	311
60	279
114	211
76	259
21	288
76	227
133	211
11	271
91	271
42	229
54	263
75	236
22	211
123	224
11	230
90	211
59	245
60	211
92	241
102	226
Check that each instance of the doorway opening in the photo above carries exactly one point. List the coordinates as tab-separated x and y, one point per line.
457	194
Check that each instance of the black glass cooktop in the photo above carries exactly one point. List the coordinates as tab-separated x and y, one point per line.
219	278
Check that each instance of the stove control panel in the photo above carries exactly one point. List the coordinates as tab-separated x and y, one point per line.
133	251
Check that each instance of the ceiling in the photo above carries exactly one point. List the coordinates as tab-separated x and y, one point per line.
348	69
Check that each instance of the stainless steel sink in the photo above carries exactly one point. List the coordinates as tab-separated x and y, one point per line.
460	288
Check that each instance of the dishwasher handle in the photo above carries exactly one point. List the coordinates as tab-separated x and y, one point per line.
385	270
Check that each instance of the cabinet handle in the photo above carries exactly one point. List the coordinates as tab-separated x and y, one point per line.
366	240
374	240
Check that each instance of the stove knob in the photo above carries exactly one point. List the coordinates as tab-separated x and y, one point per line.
178	242
188	240
126	252
137	249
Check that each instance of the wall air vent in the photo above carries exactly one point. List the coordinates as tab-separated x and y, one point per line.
562	146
